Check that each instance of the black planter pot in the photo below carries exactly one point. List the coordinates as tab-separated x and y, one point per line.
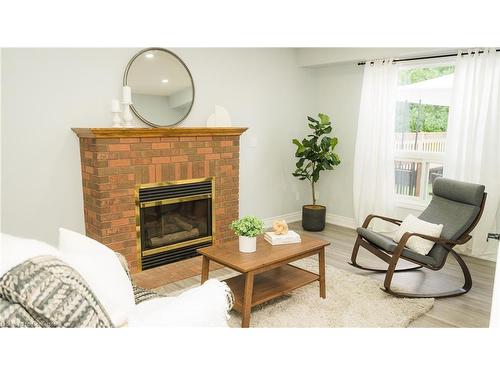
313	217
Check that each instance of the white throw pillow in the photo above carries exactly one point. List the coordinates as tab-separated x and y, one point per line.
413	224
102	270
16	250
202	306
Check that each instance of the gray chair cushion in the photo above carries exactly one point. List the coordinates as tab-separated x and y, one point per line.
455	204
456	218
458	191
389	245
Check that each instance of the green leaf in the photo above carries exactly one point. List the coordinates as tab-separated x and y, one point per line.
315	176
300	152
325	143
249	226
312	120
325	119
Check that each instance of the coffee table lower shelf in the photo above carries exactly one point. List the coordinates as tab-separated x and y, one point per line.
270	284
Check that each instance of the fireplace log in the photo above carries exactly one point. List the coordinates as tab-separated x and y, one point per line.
181	223
175	237
171	228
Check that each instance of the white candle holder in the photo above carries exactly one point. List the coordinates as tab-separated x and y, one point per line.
127	115
116	110
117	121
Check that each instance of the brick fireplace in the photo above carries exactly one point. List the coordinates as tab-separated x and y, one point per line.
117	162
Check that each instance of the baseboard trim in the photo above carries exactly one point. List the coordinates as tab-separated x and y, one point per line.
289	218
341	221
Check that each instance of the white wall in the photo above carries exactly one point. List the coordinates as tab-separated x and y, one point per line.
338	93
48	91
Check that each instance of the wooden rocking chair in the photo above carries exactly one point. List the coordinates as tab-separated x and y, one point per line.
458	206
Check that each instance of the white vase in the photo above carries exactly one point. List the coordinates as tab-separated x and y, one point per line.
248	244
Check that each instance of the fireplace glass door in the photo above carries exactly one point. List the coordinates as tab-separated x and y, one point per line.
174	220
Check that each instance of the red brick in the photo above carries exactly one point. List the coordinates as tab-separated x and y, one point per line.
160	146
180	158
119	163
129	140
130	213
119	147
150	140
158	177
152	173
204	150
161	160
212	156
140	146
118	222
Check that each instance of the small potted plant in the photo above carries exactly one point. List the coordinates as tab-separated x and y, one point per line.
248	228
315	154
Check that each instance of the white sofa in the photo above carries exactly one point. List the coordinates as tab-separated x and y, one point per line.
85	284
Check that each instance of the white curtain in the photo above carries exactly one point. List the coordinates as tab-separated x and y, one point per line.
373	182
473	140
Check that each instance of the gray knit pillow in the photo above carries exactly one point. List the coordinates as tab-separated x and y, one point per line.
52	293
13	315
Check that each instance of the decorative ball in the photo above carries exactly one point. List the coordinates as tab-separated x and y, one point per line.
280	227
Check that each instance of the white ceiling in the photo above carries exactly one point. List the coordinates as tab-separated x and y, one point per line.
145	74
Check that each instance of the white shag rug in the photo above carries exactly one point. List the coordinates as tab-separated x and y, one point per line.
351	301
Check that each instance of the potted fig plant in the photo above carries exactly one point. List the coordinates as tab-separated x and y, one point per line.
316	154
248	228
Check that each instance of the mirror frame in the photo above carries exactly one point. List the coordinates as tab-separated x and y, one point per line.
125	80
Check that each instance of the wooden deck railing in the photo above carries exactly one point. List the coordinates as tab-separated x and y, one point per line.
422	141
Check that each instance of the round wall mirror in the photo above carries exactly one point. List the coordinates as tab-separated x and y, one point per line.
162	87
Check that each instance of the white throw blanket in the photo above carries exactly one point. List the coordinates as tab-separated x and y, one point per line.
202	306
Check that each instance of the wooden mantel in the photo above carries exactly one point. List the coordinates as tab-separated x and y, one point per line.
157	132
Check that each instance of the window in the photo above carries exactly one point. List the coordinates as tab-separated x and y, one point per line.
422	107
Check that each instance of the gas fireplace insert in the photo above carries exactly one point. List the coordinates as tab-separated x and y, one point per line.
173	220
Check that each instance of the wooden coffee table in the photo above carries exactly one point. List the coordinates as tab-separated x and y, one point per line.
265	274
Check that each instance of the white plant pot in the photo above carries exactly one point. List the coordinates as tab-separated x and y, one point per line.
248	244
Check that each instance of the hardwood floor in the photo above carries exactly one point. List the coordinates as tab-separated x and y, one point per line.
469	310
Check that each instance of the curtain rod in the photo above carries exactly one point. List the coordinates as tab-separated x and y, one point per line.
429	57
